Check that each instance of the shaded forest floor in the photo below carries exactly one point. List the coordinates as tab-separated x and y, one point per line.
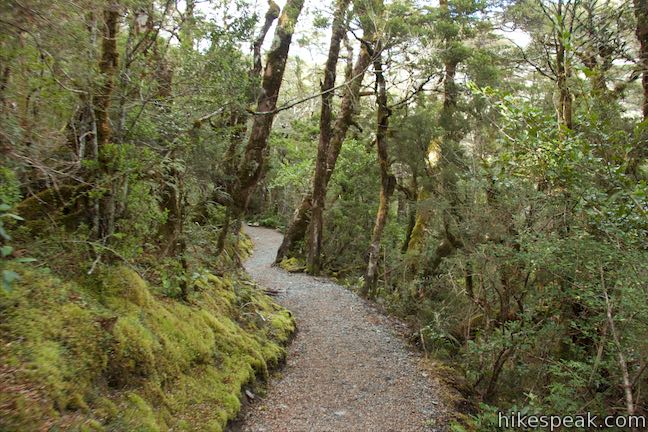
348	368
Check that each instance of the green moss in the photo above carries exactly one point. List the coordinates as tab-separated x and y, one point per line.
92	426
134	350
108	354
245	245
137	416
292	265
60	204
122	285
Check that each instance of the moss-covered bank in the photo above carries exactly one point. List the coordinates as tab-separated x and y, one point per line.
106	354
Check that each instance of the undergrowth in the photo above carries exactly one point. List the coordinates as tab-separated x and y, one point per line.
102	353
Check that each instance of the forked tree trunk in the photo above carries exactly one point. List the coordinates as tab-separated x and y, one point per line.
320	178
387	180
271	15
297	228
252	167
105	217
238	124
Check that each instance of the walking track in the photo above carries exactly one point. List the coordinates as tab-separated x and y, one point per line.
348	368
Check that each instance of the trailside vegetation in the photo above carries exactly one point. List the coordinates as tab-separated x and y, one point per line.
476	167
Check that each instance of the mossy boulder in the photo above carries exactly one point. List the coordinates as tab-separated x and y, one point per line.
292	265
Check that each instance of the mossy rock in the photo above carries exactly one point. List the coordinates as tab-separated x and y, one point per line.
292	265
64	204
123	287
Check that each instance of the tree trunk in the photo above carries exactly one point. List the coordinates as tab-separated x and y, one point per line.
451	164
343	121
411	200
387	180
252	167
641	12
321	169
563	71
105	219
238	122
172	178
565	97
172	195
416	239
271	15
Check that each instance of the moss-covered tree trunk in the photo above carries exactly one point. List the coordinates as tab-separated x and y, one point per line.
641	13
387	180
297	228
105	211
271	15
238	121
321	168
416	239
252	167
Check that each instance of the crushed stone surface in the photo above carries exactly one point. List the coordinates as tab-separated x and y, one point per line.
348	368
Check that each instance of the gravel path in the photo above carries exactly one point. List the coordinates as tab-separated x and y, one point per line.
348	368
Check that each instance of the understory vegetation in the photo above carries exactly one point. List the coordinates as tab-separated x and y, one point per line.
124	306
515	233
477	167
106	353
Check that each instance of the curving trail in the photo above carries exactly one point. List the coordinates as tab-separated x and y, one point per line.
348	368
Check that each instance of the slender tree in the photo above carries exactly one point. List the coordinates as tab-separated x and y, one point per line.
387	179
321	165
251	169
641	13
105	217
298	226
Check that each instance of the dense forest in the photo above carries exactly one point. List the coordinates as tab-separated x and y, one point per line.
476	168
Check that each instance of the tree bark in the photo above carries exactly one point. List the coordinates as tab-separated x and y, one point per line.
271	15
238	120
563	71
105	219
416	239
565	97
641	13
387	180
321	169
252	166
297	228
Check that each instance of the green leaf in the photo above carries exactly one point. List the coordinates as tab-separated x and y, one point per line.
25	260
13	216
8	277
6	250
4	234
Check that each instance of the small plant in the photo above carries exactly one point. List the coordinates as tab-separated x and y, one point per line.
6	251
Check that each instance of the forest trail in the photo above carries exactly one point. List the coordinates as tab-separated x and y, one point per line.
348	368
